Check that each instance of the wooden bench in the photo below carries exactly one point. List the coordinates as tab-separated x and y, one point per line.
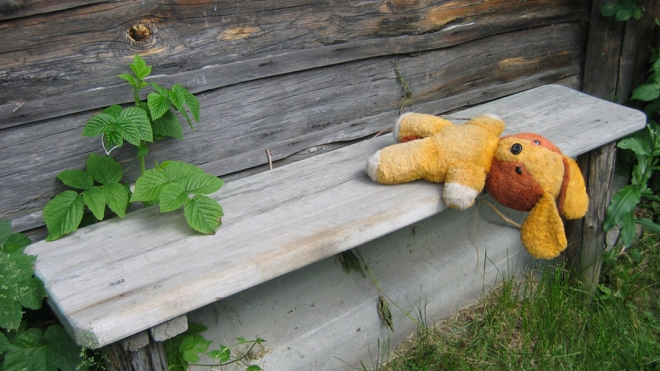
120	277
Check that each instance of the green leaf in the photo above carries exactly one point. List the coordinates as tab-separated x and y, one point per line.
178	96
172	197
63	214
193	105
104	169
636	144
203	214
131	124
5	231
646	92
98	124
149	185
19	288
220	356
140	127
180	170
649	225
608	10
167	125
15	243
131	80
95	201
4	343
628	230
622	203
203	184
191	346
52	351
158	104
116	197
253	368
623	14
76	179
140	67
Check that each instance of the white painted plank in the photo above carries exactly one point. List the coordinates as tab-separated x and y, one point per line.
119	277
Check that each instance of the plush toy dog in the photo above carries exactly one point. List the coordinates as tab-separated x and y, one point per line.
529	173
457	155
525	172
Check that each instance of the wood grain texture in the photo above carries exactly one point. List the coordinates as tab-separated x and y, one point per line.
152	357
11	9
66	61
276	222
289	113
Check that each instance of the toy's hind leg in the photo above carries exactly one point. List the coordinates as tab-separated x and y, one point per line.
404	162
412	125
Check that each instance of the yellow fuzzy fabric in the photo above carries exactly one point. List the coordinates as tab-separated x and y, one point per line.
463	146
542	232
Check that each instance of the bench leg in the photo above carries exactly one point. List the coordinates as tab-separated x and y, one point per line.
144	351
586	236
148	358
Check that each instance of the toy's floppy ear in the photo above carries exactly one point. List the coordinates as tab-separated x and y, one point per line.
542	232
573	198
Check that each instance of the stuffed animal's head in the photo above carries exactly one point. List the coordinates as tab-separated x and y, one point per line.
529	173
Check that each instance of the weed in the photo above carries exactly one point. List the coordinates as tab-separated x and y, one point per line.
543	322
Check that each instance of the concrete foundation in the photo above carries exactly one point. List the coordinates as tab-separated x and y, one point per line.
320	318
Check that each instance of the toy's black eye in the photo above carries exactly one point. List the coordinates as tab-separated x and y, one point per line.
516	148
519	170
537	142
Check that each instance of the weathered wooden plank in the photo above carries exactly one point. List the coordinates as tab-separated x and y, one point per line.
66	62
276	222
292	112
10	9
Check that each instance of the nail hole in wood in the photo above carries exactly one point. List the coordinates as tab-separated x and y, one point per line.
139	32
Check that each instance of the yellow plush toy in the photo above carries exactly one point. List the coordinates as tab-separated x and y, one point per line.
459	156
524	171
529	173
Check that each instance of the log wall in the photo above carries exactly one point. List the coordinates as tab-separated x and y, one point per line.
283	75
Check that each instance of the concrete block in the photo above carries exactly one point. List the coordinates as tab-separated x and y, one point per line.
169	329
135	342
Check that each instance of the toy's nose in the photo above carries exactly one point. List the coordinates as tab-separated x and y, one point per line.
516	148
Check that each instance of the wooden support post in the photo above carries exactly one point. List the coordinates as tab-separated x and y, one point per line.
587	238
616	62
148	358
144	351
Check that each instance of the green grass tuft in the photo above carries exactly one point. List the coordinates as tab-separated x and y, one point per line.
545	322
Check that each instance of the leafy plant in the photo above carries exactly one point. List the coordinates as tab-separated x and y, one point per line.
168	184
100	186
622	10
171	183
646	147
24	346
184	350
642	151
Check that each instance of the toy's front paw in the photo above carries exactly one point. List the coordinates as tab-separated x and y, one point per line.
458	196
372	166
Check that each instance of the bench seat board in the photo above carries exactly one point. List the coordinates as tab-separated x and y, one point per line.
119	277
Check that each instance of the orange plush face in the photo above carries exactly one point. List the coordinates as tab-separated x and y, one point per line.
525	165
529	173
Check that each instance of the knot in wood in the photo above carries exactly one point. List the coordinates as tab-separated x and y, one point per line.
139	32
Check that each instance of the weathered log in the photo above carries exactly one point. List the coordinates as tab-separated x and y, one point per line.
61	62
291	112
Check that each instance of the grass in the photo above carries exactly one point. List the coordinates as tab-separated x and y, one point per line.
545	322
